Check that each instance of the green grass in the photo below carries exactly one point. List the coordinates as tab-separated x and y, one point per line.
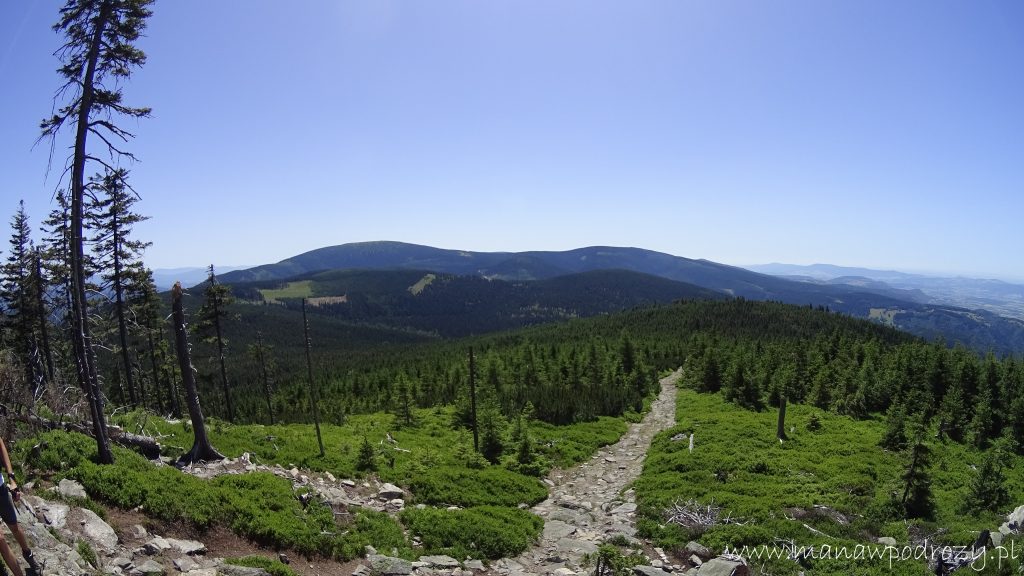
274	567
739	465
301	289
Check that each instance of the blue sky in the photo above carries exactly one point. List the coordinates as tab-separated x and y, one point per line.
870	133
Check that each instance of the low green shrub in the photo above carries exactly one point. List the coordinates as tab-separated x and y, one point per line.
484	531
491	486
369	527
274	567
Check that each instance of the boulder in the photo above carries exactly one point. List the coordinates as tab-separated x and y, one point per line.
627	508
390	492
98	532
71	489
723	567
362	570
440	561
388	566
475	565
55	514
556	529
185	564
190	547
699	550
1016	519
151	568
648	571
887	541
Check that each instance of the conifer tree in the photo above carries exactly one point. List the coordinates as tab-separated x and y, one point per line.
261	354
97	56
213	313
119	256
18	294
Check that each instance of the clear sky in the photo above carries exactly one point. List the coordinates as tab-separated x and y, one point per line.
869	132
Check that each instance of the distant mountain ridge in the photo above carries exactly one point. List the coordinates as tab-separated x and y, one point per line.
863	297
995	296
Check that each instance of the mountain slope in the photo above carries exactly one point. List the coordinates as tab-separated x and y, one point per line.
457	305
893	305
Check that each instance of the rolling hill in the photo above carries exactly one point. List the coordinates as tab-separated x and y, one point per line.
906	308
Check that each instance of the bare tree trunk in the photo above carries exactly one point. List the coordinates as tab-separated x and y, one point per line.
173	388
44	329
223	370
201	448
472	400
81	338
313	399
263	373
144	445
780	431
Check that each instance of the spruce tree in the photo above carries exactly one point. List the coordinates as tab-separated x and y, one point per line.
213	313
120	258
98	54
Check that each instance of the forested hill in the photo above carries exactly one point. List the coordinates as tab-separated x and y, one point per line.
452	306
978	329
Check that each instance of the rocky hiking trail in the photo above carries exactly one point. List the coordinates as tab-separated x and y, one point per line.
587	505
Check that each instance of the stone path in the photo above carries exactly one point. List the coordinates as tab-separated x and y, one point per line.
589	503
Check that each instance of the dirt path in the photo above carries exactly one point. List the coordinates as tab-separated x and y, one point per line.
587	504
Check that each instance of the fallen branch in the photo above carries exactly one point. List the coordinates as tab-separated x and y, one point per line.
144	445
693	514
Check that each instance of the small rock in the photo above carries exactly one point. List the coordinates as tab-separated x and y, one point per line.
71	489
56	515
362	570
658	564
1016	519
190	547
151	567
370	550
122	563
627	508
887	541
138	532
648	571
388	566
330	477
661	554
564	572
556	529
549	483
294	473
723	567
390	492
695	560
440	561
699	549
421	506
185	564
997	538
475	565
203	572
1005	529
396	503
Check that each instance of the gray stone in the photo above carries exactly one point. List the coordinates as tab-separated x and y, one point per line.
390	492
388	566
362	570
156	546
997	538
396	503
190	547
123	563
349	483
203	572
658	564
723	567
98	532
440	561
232	570
627	508
138	532
1016	519
695	560
569	545
185	564
71	489
151	567
556	529
1005	529
887	541
564	572
475	565
648	571
699	550
55	514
